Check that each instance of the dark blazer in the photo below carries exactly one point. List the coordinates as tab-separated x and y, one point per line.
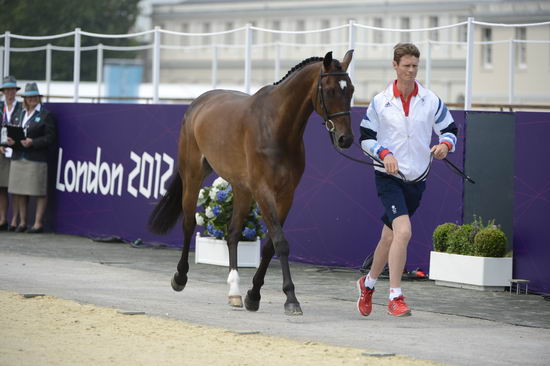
15	116
42	129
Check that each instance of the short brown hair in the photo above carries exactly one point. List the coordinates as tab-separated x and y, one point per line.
403	49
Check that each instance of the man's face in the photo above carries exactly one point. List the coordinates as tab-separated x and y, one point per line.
407	68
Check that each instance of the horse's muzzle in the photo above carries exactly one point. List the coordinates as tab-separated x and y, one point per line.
345	141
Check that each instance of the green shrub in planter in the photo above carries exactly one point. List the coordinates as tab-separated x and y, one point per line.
490	242
440	235
459	241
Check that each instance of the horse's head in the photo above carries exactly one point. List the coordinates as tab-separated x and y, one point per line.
333	98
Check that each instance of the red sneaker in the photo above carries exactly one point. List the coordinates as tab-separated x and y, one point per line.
398	307
364	304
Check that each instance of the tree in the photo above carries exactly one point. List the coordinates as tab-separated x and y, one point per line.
41	18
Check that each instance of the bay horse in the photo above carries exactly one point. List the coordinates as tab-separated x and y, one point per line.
255	142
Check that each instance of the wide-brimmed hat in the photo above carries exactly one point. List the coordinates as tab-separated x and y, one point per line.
9	82
31	90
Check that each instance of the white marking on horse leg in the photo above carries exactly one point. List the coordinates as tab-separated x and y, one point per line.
233	282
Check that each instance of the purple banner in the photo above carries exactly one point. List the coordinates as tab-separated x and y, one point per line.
114	161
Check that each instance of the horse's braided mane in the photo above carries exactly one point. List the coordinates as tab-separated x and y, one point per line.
307	61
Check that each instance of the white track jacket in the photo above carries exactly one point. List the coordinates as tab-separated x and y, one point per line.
385	127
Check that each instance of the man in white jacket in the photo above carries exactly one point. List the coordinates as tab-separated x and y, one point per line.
396	131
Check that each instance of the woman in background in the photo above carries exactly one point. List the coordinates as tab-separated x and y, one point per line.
10	110
29	167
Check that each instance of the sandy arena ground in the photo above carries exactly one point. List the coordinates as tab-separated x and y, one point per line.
50	331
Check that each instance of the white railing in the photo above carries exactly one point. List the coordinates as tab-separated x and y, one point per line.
247	47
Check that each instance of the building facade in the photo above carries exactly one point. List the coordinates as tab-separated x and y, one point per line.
196	59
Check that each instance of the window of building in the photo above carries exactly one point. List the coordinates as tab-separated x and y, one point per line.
276	24
229	38
405	24
206	28
487	49
521	48
301	26
462	31
433	22
184	40
378	36
255	34
325	36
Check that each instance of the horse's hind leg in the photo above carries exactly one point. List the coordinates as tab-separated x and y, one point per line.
242	201
253	297
193	173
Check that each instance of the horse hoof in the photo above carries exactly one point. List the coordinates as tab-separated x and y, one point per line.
250	304
175	285
235	301
293	309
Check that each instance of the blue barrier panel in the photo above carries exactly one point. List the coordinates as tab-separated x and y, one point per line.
532	200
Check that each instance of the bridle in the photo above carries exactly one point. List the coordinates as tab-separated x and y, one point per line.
329	125
327	116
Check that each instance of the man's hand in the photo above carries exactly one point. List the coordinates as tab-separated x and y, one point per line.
440	151
26	142
390	164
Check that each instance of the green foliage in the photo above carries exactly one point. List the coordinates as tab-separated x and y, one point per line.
41	18
440	236
458	241
216	207
490	242
477	238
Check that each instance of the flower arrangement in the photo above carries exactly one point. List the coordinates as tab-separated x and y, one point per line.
215	203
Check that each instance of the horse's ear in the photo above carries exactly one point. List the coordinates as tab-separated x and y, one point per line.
327	61
347	59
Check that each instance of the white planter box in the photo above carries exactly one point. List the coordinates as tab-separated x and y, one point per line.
214	251
480	273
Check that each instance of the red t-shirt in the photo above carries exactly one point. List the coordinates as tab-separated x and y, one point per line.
406	102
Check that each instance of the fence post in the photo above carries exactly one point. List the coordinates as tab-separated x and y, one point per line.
2	62
277	61
7	53
351	46
76	64
429	64
511	71
214	66
247	58
99	72
156	64
469	64
48	70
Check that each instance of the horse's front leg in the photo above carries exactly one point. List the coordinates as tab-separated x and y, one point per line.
242	202
274	217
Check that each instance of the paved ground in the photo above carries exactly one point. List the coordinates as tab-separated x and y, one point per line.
448	325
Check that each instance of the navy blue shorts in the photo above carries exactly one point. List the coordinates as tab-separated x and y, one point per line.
398	198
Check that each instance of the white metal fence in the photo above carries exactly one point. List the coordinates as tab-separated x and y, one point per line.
245	49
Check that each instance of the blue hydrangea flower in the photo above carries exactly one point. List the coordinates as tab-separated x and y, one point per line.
210	229
249	233
217	209
221	196
218	233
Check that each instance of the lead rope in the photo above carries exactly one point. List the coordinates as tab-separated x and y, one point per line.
379	164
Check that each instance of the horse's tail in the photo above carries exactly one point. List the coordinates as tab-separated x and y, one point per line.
168	209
